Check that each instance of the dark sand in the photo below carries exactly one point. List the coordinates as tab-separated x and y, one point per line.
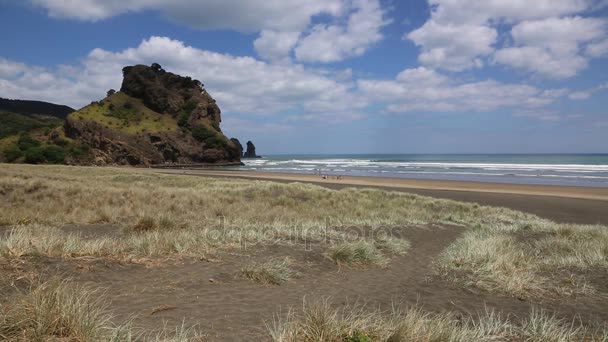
558	203
215	296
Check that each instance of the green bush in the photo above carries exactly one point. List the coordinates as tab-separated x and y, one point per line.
54	154
79	151
26	142
188	107
216	126
183	119
12	153
34	155
202	133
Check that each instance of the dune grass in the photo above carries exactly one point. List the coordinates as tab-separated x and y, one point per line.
318	321
58	310
275	271
502	250
528	259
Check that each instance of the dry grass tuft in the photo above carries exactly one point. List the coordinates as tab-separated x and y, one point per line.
144	224
357	253
274	271
318	321
60	311
524	260
55	310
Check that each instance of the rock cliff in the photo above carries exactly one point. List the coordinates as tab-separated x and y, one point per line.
250	153
157	117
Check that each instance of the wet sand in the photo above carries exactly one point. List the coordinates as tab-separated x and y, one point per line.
568	204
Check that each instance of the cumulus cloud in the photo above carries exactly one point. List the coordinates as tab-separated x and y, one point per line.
423	89
284	93
453	47
240	84
276	46
551	47
331	43
548	38
207	14
357	23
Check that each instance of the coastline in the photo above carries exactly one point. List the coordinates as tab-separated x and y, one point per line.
566	204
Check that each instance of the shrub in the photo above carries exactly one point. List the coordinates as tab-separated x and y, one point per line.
61	142
12	153
54	154
26	142
216	126
189	106
183	119
202	134
34	155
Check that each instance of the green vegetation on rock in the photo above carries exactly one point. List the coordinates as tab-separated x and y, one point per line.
126	114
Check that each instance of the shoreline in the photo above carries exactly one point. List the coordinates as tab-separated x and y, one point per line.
565	191
563	204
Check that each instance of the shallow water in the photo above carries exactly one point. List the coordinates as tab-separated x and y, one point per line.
555	169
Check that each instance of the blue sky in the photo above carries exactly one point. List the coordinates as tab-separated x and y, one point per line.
338	76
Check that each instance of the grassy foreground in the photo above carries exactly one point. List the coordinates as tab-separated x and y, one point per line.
151	215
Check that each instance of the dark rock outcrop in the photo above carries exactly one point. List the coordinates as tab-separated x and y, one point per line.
250	153
238	145
157	117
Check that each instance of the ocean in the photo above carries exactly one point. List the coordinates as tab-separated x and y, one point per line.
556	169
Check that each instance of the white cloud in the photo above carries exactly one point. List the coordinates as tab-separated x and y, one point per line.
462	34
479	12
207	14
453	47
599	49
587	93
239	84
541	61
551	47
275	46
425	90
282	93
9	69
280	22
331	43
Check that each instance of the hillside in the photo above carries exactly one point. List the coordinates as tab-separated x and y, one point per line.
26	107
32	132
157	117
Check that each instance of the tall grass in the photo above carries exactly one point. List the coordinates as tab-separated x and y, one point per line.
502	251
318	321
528	260
58	310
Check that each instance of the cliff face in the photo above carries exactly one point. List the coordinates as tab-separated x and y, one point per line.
157	117
250	153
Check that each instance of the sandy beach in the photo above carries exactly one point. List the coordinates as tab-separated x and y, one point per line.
567	204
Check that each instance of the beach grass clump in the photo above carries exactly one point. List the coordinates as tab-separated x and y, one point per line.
144	224
58	310
527	260
275	271
319	321
55	310
357	253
